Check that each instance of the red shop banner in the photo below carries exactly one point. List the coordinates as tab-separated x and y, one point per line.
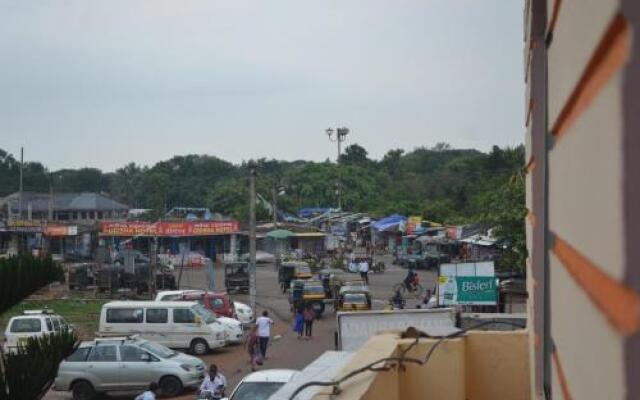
189	228
197	228
129	229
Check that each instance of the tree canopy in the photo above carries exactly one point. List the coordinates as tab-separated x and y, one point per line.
439	183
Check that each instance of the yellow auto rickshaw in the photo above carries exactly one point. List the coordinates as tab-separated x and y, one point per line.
308	293
290	271
354	300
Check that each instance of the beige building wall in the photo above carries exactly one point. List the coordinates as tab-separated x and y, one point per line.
481	365
587	201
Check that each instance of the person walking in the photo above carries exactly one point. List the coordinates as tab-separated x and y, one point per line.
309	316
298	324
364	270
264	332
253	348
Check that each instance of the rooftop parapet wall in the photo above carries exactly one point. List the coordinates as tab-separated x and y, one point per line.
477	366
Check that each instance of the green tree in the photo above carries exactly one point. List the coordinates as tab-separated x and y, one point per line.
354	155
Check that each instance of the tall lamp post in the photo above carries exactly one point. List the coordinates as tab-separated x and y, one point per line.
340	136
252	236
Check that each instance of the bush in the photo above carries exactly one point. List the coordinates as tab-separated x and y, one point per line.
23	275
29	372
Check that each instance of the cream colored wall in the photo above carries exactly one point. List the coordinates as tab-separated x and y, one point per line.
480	366
578	30
585	182
585	206
497	365
365	385
442	377
589	349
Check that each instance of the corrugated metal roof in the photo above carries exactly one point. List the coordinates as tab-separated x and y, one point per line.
63	201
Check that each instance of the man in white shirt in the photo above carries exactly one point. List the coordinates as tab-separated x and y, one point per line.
264	332
214	383
149	394
364	270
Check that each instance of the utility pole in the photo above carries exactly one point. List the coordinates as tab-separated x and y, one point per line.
252	236
341	135
20	195
274	205
50	196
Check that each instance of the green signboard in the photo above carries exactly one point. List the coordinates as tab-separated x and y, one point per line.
476	290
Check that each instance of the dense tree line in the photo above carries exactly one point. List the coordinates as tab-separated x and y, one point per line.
440	183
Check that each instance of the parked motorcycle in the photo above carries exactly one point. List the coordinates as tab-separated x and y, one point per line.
378	268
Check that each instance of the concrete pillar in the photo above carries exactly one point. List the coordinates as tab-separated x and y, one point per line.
233	246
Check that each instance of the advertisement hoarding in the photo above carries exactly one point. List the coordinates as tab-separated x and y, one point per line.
61	230
174	229
467	284
413	223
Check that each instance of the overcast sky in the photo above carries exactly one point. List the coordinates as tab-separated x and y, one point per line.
102	83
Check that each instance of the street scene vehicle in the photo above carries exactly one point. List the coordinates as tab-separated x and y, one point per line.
175	324
308	293
353	285
378	267
236	277
32	323
412	286
111	278
126	363
244	313
354	300
81	275
219	303
262	384
292	270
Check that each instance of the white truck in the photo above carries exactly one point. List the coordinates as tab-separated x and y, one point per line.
355	328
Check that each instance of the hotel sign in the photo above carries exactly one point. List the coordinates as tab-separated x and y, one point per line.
170	229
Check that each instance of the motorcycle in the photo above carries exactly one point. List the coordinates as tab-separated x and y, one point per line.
209	395
378	268
205	395
397	302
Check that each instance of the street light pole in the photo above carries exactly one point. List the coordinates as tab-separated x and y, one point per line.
21	174
341	136
252	236
274	205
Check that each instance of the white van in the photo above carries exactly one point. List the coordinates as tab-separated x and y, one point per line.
174	324
32	323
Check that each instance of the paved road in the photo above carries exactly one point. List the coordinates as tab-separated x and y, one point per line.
285	351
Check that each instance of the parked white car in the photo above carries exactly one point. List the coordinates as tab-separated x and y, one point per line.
126	363
244	313
261	385
175	324
32	323
233	328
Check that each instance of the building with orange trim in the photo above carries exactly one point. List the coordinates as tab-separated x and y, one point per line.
583	75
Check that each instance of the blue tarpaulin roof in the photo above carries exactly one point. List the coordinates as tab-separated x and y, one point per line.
389	222
312	211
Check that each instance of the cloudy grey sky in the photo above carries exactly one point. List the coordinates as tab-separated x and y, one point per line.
104	82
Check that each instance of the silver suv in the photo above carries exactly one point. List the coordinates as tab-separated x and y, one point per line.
123	364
